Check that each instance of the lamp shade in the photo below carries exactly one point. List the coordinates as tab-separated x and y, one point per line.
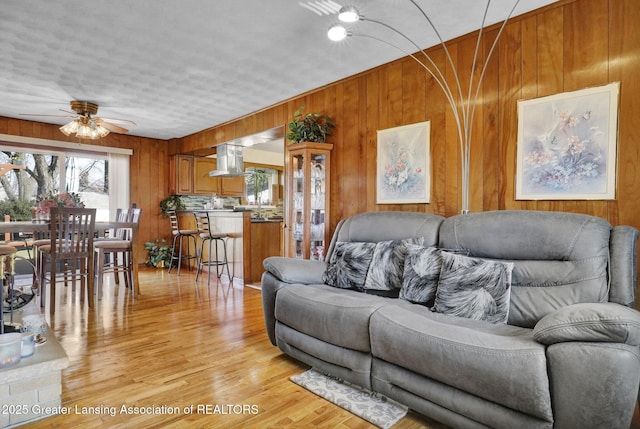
348	14
84	128
70	128
337	32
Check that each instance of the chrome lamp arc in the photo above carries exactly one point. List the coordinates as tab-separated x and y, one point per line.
463	107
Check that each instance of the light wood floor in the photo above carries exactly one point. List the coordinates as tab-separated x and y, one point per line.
180	346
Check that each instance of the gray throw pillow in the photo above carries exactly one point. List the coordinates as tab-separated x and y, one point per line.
349	264
387	266
474	288
421	273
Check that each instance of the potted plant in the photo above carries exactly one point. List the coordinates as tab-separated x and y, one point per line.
172	202
159	253
309	127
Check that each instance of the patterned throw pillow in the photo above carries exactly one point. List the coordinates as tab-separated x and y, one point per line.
387	267
349	264
421	273
475	288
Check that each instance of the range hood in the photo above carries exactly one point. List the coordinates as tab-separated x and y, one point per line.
229	161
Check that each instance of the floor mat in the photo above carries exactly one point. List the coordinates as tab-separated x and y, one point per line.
375	408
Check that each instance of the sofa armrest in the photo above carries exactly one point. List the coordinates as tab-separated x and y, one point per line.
291	270
279	273
590	322
623	250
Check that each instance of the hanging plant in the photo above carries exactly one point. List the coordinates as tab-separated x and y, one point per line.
309	127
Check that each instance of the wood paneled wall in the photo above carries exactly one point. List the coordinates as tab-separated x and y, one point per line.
569	45
149	166
566	46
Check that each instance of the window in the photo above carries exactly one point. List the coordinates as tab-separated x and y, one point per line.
40	172
259	185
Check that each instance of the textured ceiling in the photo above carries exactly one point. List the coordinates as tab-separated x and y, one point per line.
178	67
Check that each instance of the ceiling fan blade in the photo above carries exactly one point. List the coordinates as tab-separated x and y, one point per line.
53	116
114	121
110	126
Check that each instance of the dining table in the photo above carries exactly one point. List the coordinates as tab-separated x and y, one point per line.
30	227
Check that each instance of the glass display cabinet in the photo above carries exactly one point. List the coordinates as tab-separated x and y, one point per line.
308	199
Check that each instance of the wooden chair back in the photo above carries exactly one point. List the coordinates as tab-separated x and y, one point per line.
72	232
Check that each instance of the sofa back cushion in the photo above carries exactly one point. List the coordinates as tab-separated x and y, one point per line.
384	226
559	258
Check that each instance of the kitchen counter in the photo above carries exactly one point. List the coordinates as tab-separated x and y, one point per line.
263	238
250	240
235	225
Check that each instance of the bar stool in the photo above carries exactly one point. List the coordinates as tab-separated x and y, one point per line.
8	263
178	235
207	234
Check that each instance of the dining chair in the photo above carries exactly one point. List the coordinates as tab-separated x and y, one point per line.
179	234
114	254
213	238
40	238
69	254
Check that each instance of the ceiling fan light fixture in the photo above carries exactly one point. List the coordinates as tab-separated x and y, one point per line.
101	131
85	132
337	32
70	128
85	127
349	14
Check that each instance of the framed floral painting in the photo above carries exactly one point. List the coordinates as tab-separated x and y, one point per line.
567	145
403	168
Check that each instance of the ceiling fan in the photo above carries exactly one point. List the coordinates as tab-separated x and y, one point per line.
85	124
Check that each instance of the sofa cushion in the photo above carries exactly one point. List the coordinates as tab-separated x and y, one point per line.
387	266
541	287
349	264
421	274
560	258
475	288
497	362
338	317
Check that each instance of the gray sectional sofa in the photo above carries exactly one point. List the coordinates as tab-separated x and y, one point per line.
496	319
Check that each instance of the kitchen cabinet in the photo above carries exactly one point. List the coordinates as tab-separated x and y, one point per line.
181	175
308	199
189	175
232	186
203	184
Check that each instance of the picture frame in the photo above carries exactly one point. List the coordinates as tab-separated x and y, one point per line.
567	145
403	173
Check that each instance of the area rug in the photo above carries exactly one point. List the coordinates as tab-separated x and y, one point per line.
375	408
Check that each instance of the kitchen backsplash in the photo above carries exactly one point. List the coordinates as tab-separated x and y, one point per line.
197	202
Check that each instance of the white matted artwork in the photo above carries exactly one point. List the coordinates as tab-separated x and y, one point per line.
403	169
567	145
